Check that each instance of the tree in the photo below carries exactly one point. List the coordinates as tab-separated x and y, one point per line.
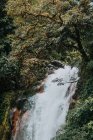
6	28
7	67
61	25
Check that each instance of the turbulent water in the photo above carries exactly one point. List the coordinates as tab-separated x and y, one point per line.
49	109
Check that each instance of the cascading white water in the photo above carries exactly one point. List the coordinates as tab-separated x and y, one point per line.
49	109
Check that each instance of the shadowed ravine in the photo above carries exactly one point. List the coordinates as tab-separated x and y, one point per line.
49	109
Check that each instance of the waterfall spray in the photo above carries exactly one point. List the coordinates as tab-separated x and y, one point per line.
49	109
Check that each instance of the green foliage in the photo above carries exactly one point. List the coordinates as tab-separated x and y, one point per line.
77	134
5	102
82	114
88	89
90	65
80	119
56	55
67	25
9	74
6	28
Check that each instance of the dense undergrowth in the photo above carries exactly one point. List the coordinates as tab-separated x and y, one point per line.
80	118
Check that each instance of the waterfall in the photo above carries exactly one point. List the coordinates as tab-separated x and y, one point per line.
49	109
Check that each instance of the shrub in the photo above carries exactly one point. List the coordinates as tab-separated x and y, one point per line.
9	73
90	65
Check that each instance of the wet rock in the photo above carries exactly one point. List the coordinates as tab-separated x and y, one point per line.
57	80
72	104
75	96
50	71
72	79
57	64
50	66
20	103
60	84
40	88
15	120
16	113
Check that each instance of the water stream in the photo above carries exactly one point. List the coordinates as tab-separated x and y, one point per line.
49	109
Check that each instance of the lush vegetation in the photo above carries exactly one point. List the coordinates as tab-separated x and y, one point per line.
80	118
35	32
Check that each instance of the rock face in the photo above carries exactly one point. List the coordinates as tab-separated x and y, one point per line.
72	104
16	114
74	100
57	64
40	88
15	121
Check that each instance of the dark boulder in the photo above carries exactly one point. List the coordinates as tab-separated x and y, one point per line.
21	102
57	64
